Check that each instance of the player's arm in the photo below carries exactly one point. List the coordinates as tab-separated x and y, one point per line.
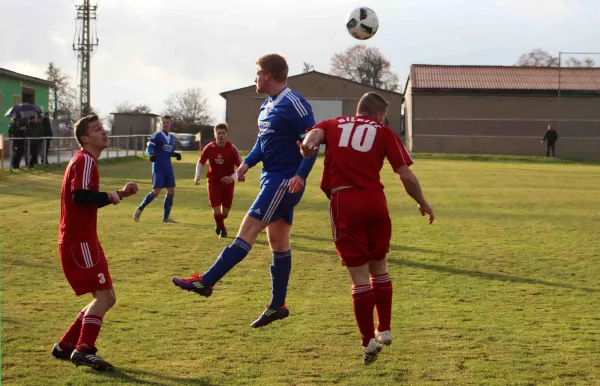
255	155
101	199
175	154
312	141
200	164
306	123
150	148
401	161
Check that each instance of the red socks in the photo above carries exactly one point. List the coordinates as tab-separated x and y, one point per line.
69	340
220	222
89	332
363	301
382	288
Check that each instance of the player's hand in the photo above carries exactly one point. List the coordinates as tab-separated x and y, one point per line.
296	184
129	189
227	180
113	197
426	209
152	158
178	156
307	151
197	181
241	172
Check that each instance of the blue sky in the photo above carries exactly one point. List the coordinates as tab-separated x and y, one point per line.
151	48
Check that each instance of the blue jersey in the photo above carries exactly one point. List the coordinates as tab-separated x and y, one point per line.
161	145
283	120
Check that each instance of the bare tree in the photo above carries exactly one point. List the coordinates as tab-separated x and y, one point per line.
189	106
538	58
541	58
128	107
365	65
307	67
62	103
574	62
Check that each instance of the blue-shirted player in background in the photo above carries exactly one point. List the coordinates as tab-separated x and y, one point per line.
284	118
161	149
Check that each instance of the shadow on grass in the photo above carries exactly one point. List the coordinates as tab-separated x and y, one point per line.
126	376
478	274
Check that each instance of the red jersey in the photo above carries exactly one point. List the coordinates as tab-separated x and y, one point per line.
355	150
78	222
222	160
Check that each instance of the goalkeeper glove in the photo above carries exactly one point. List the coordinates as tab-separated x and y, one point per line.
152	158
178	156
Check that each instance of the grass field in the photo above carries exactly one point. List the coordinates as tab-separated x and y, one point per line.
502	289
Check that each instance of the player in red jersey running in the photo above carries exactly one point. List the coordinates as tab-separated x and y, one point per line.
360	221
81	255
222	157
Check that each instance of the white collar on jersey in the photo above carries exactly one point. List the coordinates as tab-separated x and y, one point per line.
166	135
280	96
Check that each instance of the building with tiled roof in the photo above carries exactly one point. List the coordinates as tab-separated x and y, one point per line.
502	109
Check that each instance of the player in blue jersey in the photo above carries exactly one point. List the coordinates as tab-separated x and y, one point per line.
160	149
284	118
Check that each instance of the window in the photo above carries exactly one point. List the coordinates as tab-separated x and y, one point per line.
28	95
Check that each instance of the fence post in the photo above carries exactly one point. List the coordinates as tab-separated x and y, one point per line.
72	147
127	147
135	146
58	151
118	147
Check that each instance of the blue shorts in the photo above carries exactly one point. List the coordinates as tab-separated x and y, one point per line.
163	180
275	202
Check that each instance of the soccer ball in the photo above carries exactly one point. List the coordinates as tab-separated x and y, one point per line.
362	23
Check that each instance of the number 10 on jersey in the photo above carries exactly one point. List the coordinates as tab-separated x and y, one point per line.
362	137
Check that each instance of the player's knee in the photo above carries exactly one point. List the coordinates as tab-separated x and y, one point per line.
111	299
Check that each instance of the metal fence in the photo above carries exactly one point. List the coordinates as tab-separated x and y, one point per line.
29	152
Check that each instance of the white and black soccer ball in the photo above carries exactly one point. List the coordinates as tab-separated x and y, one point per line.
362	23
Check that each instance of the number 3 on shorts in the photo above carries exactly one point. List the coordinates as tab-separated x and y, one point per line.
101	278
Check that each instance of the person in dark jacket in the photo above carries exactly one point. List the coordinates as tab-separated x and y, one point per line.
34	130
46	132
18	131
550	138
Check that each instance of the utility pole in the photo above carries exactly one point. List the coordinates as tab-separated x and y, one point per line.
84	46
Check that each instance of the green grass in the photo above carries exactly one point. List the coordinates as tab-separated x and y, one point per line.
502	289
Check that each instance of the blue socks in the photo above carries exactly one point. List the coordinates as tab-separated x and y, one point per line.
228	259
147	200
280	276
168	203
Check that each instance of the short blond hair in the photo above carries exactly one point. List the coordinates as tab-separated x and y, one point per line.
372	103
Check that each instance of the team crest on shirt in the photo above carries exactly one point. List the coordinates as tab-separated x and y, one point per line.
219	160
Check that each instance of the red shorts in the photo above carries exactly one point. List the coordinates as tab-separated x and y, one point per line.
85	267
220	193
361	225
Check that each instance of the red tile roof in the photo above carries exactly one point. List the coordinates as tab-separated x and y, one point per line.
425	76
